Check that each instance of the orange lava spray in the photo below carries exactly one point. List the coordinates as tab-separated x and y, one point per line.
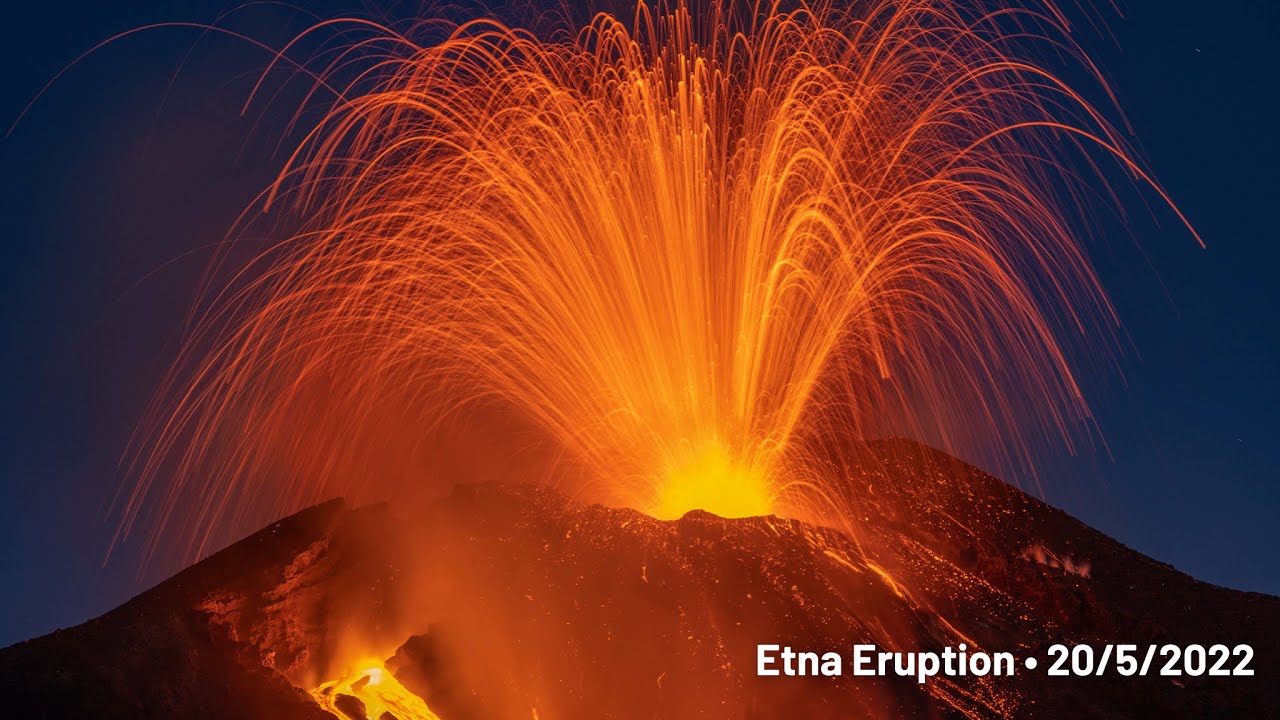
688	245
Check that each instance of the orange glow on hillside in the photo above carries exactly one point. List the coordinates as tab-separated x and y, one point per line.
378	692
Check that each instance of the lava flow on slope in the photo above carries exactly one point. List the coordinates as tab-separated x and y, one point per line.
372	692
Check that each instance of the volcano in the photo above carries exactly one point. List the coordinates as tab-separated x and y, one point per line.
515	601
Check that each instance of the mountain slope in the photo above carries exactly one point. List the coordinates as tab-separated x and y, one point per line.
513	601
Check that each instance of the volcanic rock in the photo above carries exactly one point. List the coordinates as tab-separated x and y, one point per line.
351	706
510	601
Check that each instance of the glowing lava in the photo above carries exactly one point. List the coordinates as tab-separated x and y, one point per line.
378	693
708	479
686	246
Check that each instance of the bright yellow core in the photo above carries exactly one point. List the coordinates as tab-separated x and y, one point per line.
379	692
709	479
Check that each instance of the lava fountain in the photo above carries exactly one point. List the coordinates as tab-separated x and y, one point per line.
371	691
684	244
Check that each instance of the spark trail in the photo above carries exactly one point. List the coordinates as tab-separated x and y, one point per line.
688	243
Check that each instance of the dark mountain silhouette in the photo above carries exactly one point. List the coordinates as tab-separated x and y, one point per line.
513	601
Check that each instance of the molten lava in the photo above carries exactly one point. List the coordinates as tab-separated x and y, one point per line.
371	693
708	480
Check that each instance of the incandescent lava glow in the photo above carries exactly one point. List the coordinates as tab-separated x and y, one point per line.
372	692
685	243
708	479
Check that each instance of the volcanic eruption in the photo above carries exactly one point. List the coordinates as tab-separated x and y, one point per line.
681	249
677	266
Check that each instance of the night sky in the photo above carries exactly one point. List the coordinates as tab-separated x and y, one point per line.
136	161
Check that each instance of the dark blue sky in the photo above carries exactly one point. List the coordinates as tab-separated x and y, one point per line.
119	176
